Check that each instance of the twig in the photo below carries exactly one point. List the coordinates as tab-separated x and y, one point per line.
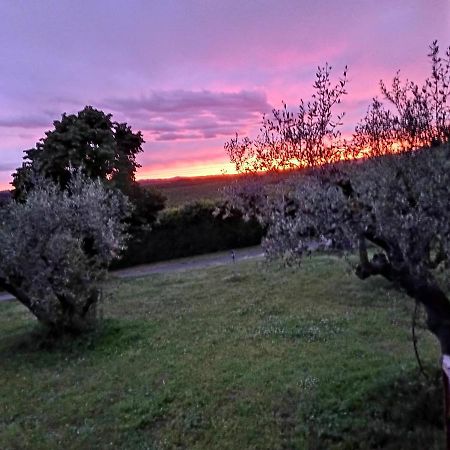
414	338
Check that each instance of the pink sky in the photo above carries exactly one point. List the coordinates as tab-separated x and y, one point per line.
189	74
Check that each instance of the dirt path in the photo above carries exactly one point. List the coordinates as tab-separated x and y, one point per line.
182	264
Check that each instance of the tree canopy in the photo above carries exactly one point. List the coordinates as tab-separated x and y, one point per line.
91	140
55	248
388	202
98	146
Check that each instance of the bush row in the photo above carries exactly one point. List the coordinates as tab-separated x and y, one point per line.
189	230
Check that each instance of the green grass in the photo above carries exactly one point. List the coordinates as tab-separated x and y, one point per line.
245	356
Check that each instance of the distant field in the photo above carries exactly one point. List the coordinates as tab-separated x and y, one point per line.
183	190
245	356
180	191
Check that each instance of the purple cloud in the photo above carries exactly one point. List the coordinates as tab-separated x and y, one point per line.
185	101
7	167
211	67
180	114
36	121
161	136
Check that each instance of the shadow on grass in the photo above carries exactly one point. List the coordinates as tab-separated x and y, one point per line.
404	412
37	347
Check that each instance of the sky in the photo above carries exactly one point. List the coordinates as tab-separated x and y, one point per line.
190	74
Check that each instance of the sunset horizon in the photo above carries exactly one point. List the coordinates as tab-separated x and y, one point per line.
186	76
225	224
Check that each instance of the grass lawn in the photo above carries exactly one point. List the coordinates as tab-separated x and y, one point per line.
246	356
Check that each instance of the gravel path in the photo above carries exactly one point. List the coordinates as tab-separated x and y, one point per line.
190	263
182	264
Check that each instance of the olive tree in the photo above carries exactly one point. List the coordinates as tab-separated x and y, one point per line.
412	115
55	248
396	200
309	137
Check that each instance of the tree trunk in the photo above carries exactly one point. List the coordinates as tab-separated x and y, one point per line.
421	287
58	314
437	307
426	291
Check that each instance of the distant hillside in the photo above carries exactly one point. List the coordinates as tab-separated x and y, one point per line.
181	190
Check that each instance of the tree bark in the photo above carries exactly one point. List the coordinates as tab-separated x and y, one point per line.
63	316
420	287
25	299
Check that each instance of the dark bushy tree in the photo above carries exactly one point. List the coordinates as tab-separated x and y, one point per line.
5	198
89	139
147	203
92	142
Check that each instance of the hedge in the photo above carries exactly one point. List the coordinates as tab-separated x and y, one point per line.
189	230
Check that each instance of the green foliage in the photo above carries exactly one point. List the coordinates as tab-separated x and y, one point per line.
395	200
92	142
190	230
55	248
5	198
147	203
89	139
243	356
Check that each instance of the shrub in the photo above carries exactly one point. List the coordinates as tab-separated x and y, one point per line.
55	248
190	230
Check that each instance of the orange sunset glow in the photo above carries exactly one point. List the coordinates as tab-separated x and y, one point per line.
192	74
197	169
225	224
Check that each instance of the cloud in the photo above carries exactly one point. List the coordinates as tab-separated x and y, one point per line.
191	101
161	136
34	121
181	114
7	167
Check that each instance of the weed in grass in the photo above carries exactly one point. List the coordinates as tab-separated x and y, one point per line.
235	277
315	330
